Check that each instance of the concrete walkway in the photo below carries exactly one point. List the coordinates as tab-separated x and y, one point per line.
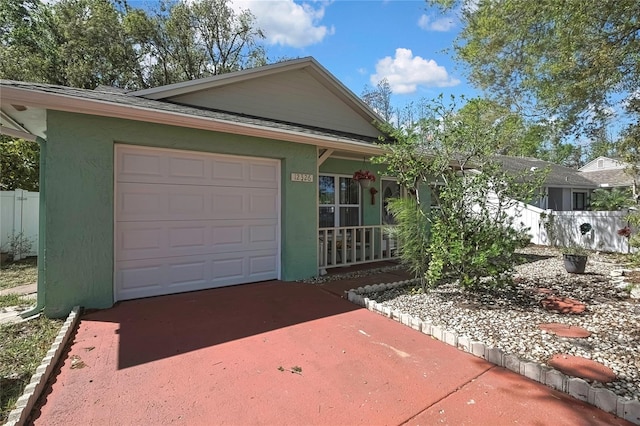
279	353
29	289
12	314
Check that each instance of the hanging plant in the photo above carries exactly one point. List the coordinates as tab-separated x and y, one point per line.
364	175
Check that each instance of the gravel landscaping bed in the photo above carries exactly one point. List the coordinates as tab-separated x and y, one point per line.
508	318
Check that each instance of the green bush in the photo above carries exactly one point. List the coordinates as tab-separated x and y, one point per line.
412	230
469	237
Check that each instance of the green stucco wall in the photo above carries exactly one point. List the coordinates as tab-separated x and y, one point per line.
370	213
78	177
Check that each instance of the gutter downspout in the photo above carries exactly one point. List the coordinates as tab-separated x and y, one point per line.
40	296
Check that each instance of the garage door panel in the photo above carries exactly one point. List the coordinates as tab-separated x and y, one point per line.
188	168
189	221
140	166
262	172
194	168
141	201
229	172
261	264
141	278
146	240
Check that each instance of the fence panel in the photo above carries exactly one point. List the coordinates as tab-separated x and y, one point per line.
19	219
562	228
603	236
532	219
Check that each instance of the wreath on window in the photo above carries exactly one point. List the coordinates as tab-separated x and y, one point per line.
585	228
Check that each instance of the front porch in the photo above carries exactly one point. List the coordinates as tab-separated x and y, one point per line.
354	245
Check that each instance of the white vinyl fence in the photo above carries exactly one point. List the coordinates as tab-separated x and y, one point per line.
531	218
19	222
562	228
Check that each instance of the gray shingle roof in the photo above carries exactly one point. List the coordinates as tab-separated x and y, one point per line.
610	177
106	94
558	175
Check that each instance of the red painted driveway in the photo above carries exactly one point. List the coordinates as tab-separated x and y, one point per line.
224	356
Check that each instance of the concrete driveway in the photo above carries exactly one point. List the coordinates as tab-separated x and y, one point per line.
279	353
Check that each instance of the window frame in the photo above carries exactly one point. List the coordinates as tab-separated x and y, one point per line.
574	200
336	200
383	219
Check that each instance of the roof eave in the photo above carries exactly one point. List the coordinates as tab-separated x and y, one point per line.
59	102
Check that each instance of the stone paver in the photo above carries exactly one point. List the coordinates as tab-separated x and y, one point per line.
583	368
564	330
563	305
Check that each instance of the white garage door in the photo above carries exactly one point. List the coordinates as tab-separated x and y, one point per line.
189	221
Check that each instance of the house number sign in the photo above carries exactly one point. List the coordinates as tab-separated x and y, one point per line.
301	177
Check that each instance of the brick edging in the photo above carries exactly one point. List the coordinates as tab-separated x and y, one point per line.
578	388
25	403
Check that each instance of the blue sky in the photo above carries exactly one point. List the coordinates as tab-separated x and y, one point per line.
361	42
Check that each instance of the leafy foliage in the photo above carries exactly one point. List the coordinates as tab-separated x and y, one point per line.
573	60
185	40
19	164
65	42
412	230
633	220
611	200
471	236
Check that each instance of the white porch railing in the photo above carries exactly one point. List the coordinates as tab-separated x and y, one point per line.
352	245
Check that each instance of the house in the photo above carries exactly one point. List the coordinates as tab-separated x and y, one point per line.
608	173
564	188
236	178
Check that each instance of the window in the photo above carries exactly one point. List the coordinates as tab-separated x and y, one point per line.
390	189
339	199
436	189
579	201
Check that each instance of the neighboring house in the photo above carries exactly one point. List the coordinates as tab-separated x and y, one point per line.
608	173
236	178
564	188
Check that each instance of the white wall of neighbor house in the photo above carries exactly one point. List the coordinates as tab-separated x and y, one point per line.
602	163
19	214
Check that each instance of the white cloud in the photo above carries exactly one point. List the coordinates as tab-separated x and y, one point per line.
288	23
442	25
406	72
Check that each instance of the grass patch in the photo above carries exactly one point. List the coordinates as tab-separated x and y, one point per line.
22	348
22	272
14	300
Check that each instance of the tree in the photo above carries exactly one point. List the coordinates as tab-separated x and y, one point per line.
574	59
379	99
471	236
19	164
185	40
85	43
65	43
